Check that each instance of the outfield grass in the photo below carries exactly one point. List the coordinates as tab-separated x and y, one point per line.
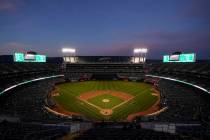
70	91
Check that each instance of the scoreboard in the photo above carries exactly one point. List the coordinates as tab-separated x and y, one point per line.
21	57
191	57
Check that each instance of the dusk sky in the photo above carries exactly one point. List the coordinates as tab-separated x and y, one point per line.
105	27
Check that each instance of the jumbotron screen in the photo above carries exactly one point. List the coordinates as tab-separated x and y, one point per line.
191	57
21	57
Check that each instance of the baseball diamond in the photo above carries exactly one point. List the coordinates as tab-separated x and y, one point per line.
106	100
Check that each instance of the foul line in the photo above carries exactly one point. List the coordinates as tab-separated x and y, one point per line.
128	100
121	103
99	108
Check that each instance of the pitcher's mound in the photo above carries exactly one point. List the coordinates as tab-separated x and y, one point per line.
106	112
105	100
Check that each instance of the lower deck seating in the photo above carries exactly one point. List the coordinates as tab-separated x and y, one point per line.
29	101
184	103
14	73
24	131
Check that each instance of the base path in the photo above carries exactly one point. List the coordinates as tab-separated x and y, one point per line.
91	94
99	108
122	103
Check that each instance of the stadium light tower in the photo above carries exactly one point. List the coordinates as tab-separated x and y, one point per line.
69	55
68	50
139	55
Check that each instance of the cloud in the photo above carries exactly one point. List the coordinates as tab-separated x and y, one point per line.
10	5
11	47
180	36
105	49
162	42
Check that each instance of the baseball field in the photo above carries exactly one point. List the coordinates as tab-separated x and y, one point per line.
106	100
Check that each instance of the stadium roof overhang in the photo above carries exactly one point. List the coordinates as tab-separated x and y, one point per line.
29	81
180	81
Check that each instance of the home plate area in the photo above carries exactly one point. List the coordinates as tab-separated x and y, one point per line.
106	112
105	100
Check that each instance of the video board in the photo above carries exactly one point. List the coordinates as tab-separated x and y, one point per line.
21	57
191	57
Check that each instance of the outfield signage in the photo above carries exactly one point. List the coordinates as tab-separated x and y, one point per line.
21	57
191	57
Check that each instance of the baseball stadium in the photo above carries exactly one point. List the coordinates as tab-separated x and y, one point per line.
82	97
104	70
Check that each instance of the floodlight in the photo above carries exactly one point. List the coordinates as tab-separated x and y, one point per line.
140	50
69	55
140	55
68	50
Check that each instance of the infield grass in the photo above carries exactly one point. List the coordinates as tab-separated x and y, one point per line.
98	101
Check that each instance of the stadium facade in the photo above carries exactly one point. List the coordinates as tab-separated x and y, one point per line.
184	91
